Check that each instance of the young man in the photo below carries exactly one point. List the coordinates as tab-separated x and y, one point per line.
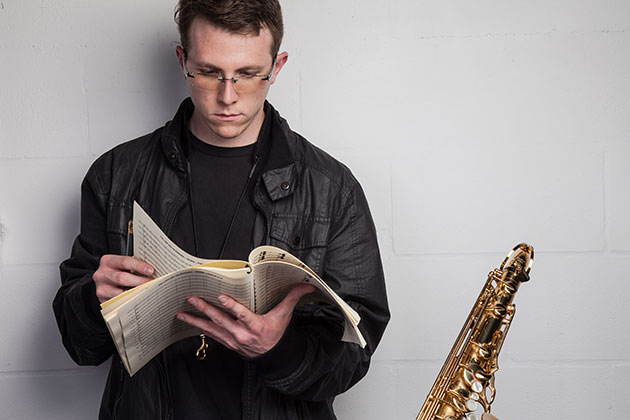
225	175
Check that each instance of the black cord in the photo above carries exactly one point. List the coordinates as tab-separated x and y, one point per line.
261	149
192	204
238	206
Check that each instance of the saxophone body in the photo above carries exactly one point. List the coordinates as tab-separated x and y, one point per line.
465	386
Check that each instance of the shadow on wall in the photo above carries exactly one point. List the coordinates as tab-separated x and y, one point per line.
139	91
168	80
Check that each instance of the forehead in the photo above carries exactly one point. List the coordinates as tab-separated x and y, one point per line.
212	45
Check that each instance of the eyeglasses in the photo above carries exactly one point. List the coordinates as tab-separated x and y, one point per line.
242	82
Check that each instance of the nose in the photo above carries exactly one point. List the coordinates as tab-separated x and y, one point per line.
227	93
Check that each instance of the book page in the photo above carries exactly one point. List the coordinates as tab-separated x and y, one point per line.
271	253
112	304
151	245
268	253
277	271
274	280
115	329
148	321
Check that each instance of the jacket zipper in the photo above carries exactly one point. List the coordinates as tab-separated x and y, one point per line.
168	403
122	389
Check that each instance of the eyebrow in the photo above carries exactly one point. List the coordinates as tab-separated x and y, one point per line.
208	66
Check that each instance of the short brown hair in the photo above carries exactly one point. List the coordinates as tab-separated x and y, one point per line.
246	17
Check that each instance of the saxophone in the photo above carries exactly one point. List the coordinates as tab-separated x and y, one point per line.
465	384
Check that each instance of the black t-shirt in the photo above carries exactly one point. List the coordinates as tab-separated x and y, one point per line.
219	177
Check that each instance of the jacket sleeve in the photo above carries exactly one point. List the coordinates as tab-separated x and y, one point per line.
311	362
76	307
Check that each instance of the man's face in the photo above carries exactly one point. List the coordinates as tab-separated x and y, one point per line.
224	116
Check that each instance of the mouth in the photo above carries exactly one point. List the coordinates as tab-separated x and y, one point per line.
227	117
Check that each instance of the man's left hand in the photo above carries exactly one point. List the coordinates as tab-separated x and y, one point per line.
241	330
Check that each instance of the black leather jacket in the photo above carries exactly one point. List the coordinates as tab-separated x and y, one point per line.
307	203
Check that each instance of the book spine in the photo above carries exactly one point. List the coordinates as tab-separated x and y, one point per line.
254	292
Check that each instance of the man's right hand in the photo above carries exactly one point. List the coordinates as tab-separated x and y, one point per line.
117	273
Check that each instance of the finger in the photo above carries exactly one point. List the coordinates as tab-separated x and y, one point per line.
112	283
237	309
215	315
218	325
209	328
131	264
125	279
287	305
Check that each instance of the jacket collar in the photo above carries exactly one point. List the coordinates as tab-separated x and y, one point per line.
175	135
279	171
278	168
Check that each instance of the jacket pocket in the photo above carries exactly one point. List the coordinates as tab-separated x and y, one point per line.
303	236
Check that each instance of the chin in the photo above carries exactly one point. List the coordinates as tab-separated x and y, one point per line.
224	130
227	134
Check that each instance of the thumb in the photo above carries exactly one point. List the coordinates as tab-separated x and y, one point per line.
286	306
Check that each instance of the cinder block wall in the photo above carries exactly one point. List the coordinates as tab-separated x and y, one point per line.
472	126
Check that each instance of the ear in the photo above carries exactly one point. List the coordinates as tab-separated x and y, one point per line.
179	51
281	60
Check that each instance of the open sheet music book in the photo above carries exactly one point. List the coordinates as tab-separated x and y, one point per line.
142	320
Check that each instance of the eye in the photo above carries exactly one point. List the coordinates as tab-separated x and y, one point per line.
208	73
246	75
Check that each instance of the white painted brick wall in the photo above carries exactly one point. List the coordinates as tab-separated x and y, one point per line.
618	197
471	125
472	199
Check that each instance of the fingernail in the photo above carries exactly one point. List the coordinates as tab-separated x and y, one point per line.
223	300
193	301
148	270
181	317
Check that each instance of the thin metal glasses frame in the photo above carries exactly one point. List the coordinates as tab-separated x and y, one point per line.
233	79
